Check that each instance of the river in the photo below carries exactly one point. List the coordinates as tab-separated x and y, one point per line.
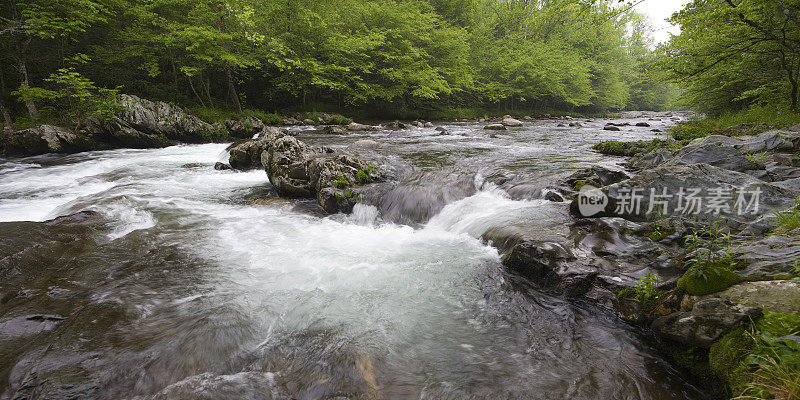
171	285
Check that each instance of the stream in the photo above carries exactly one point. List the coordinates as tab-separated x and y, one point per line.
160	280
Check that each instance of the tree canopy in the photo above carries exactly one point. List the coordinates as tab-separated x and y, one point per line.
734	54
388	56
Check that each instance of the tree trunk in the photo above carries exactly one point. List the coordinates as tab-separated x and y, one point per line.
8	124
191	85
232	91
207	88
32	110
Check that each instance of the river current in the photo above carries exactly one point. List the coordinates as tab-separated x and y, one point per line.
170	284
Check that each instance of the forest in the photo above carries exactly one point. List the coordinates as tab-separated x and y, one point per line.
380	59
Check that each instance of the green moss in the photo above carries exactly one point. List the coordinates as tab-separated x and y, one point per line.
708	278
696	361
617	148
726	358
341	182
580	184
364	175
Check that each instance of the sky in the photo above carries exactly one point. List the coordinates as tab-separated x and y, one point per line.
658	10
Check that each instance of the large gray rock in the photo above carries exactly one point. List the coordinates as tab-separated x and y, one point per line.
707	178
537	261
160	118
511	122
141	124
360	127
773	256
45	139
246	155
298	170
706	323
718	155
779	295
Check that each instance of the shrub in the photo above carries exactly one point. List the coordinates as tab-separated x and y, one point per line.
74	96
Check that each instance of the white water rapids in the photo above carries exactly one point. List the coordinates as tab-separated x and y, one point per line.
217	293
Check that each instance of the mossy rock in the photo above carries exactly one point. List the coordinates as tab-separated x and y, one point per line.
580	184
716	279
726	359
695	360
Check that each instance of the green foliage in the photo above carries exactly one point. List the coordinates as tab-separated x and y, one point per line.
752	121
778	368
436	59
341	182
364	175
788	220
713	260
733	55
75	97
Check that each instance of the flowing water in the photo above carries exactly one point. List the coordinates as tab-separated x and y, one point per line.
168	284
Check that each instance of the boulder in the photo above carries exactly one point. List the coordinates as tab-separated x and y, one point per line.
246	155
46	139
598	175
732	188
334	130
297	170
537	261
159	118
221	166
706	323
245	128
395	126
511	122
771	257
355	127
442	130
780	295
428	125
643	125
611	128
717	154
495	127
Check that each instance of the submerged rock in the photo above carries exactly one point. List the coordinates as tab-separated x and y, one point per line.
538	261
708	321
495	127
221	166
